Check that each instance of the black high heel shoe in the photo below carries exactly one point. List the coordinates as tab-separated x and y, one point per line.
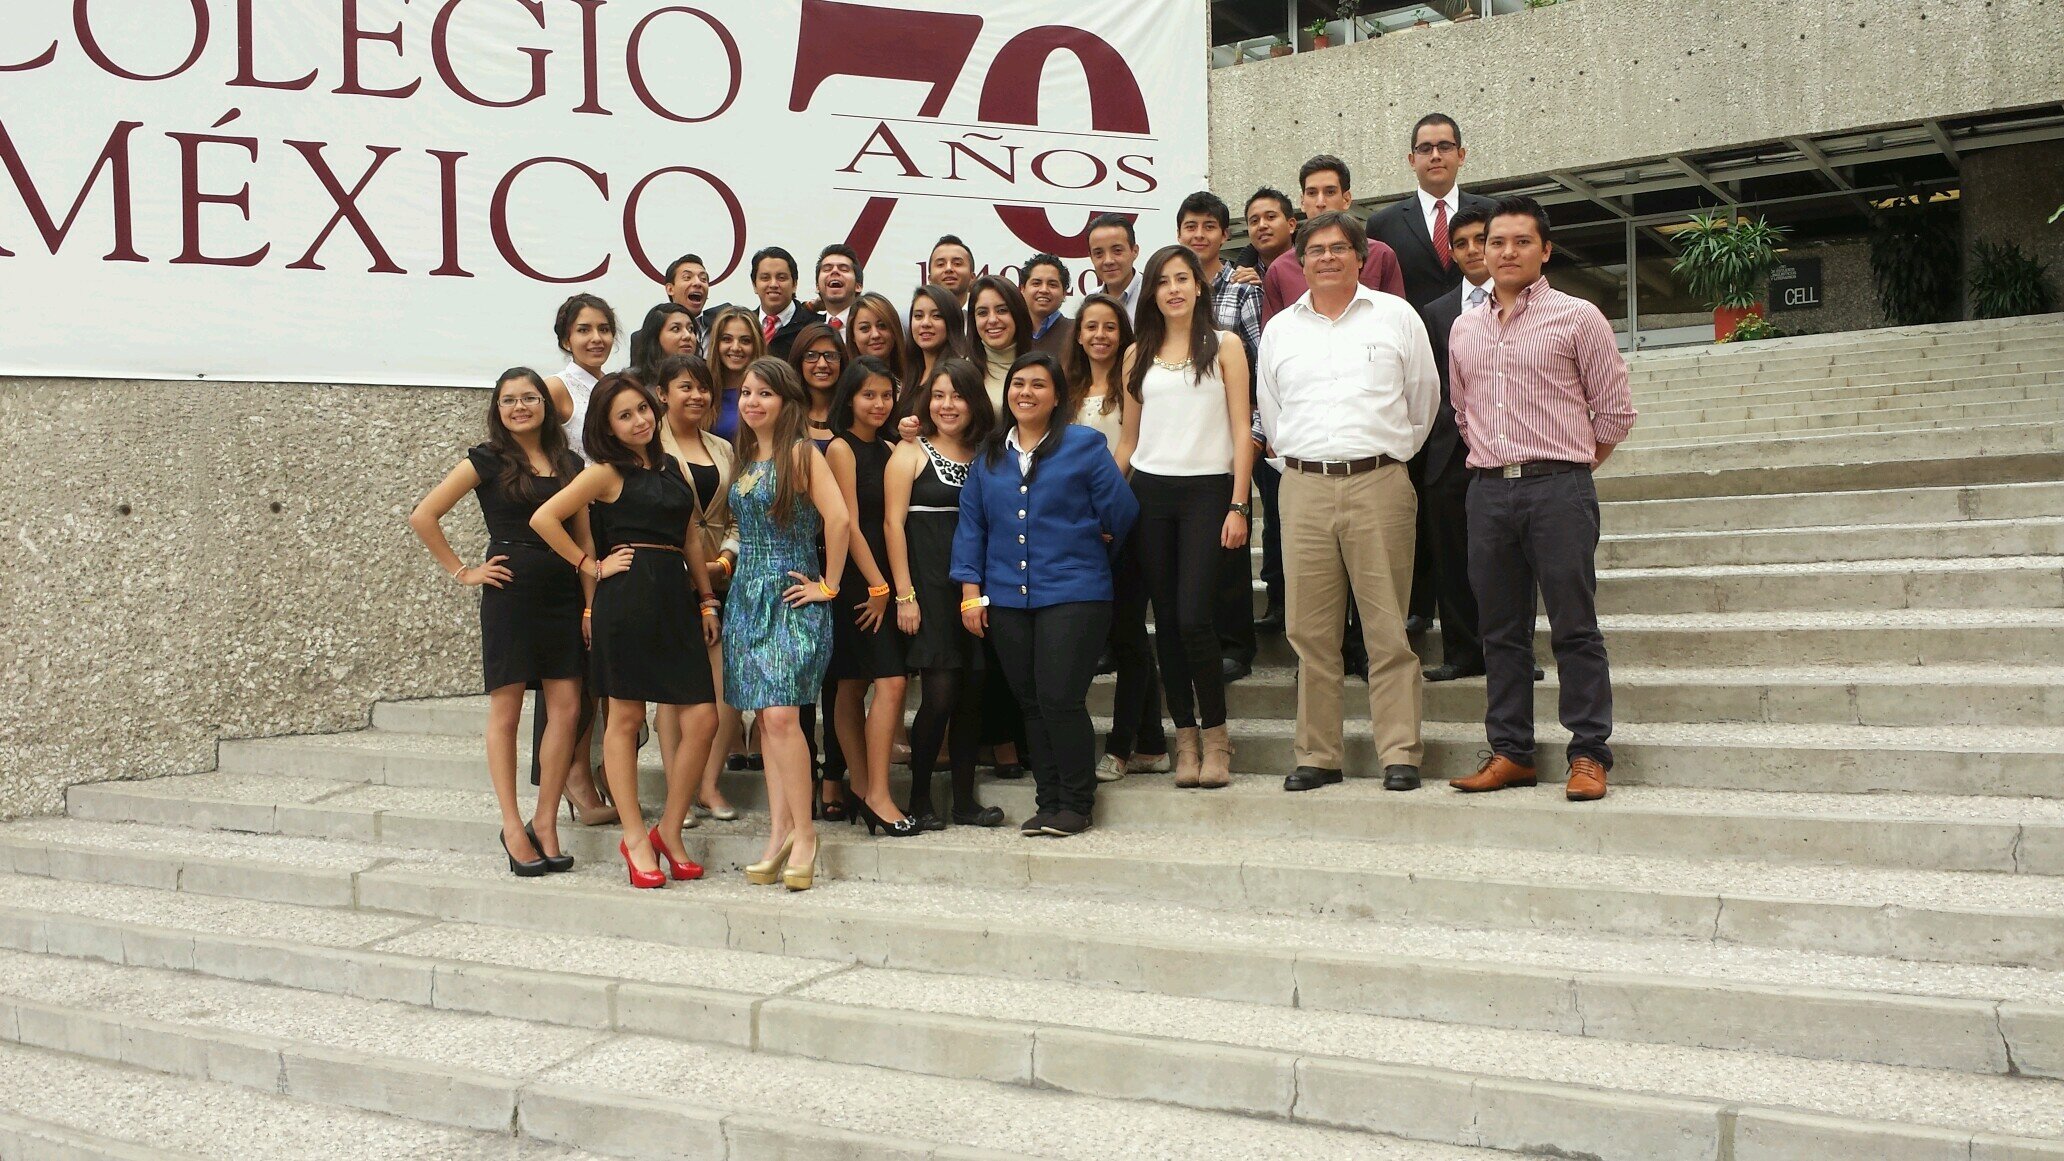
518	867
982	816
839	809
901	828
556	864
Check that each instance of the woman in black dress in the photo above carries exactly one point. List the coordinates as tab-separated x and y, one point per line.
922	509
867	648
530	602
649	633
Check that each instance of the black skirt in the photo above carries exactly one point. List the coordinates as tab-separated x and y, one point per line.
647	629
530	628
857	655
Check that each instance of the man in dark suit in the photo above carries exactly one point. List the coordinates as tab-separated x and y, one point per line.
780	315
1417	229
1044	279
1440	471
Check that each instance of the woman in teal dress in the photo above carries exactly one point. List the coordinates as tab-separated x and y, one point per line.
777	616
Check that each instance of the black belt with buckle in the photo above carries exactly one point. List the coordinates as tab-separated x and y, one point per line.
1532	468
1338	467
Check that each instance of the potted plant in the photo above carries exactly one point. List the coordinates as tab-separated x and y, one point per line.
1914	261
1317	31
2006	282
1724	263
1281	47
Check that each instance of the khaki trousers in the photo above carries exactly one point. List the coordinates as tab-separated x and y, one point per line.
1343	533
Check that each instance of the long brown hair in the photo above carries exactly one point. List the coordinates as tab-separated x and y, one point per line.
515	477
810	336
1151	326
600	438
716	331
1081	372
885	312
789	486
1014	305
950	314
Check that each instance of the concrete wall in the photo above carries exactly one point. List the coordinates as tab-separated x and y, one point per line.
1851	302
1589	82
2009	195
188	561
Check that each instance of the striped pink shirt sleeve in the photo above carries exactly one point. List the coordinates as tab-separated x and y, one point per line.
1546	382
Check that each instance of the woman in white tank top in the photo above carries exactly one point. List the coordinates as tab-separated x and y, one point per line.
586	330
1190	460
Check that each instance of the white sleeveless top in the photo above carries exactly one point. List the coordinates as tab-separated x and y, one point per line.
1183	428
1111	426
580	385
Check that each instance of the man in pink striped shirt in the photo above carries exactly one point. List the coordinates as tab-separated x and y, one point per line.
1540	397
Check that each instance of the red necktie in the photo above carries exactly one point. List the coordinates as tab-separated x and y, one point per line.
768	326
837	324
1441	249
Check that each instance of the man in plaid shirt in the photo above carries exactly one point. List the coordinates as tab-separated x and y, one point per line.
1201	224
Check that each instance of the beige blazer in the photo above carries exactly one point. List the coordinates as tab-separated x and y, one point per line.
719	528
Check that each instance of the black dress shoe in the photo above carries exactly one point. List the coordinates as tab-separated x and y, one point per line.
1106	663
1446	672
1035	827
1538	675
1062	823
1233	669
985	816
1271	620
1355	664
1310	778
1401	777
1009	771
1418	624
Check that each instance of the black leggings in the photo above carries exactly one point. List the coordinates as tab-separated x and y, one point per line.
950	712
1136	701
1181	519
1049	655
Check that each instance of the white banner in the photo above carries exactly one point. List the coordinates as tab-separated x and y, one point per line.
402	191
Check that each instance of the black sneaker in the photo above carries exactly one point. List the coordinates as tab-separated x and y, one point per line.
1062	823
1035	827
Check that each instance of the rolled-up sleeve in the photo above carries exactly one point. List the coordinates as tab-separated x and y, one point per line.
1603	371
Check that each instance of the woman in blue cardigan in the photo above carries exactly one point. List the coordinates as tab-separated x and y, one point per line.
1042	516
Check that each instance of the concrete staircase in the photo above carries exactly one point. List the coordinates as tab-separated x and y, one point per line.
1820	916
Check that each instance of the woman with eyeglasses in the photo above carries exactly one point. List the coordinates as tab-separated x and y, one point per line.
530	601
819	358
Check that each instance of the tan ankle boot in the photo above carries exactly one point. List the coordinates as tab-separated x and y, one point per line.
1218	759
1189	756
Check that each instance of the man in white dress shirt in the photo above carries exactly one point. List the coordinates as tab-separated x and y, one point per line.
1347	392
840	278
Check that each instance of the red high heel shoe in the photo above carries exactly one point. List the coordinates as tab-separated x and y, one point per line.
641	879
682	871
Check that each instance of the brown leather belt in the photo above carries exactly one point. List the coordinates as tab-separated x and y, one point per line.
1338	467
673	548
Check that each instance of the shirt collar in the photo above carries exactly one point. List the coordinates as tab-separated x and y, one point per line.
1361	294
781	320
1453	198
1045	325
1131	287
1488	286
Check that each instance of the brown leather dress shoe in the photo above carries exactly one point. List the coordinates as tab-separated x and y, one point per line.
1586	780
1497	773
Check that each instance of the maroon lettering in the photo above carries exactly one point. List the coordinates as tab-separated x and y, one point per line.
247	50
955	151
1152	183
355	36
635	70
591	59
1101	170
114	157
192	198
867	231
891	148
448	189
87	41
440	57
34	62
1010	96
347	206
732	208
860	40
498	219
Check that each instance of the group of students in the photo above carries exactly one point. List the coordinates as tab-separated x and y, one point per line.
719	530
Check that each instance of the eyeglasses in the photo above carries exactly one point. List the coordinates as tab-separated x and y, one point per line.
1429	148
1336	250
820	356
521	401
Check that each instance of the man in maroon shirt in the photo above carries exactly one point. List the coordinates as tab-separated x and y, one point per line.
1323	186
1540	397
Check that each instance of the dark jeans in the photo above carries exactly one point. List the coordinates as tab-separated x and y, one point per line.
1049	656
1266	481
1136	702
1181	519
1540	530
